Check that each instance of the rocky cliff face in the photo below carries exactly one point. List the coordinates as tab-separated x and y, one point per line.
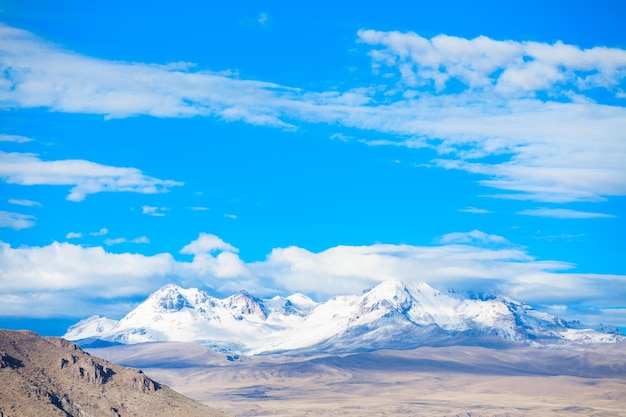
54	377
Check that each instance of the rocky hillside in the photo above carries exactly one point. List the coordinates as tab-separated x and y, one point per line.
53	377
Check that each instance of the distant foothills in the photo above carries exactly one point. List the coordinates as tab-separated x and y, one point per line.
392	315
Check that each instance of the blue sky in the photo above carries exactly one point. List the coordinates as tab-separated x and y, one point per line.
320	149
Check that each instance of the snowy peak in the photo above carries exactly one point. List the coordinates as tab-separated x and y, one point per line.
244	304
387	298
170	298
391	315
94	326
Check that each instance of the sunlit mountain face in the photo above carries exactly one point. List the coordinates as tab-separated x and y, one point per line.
392	315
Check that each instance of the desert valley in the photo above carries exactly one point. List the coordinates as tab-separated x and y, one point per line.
429	381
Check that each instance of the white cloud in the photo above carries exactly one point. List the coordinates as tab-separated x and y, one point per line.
153	211
14	138
100	232
207	243
560	149
341	137
473	237
25	203
16	221
507	67
90	272
263	18
564	213
347	269
74	235
89	275
120	240
198	208
526	106
84	176
475	210
80	84
231	216
205	265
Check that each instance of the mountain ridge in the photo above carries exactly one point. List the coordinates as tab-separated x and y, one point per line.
54	377
391	315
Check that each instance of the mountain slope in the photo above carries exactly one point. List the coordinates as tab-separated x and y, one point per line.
392	315
53	377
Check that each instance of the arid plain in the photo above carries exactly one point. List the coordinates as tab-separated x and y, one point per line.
429	381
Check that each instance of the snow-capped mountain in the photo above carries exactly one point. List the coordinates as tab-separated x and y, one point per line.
391	315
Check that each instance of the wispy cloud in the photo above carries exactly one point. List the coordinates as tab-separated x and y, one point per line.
198	208
563	148
74	235
475	210
80	84
341	137
473	237
263	18
14	138
100	232
120	240
84	177
520	115
16	221
230	216
25	203
563	213
153	211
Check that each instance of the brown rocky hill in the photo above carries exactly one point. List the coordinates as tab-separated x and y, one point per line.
53	377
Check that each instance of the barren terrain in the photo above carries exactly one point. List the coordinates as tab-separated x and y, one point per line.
53	377
443	381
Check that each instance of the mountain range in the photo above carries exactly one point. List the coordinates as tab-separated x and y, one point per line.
392	315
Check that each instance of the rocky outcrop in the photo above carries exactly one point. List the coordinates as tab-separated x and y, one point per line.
54	377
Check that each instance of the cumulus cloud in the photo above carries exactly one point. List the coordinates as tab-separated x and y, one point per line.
507	67
16	221
84	177
213	258
563	213
88	271
463	262
207	243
